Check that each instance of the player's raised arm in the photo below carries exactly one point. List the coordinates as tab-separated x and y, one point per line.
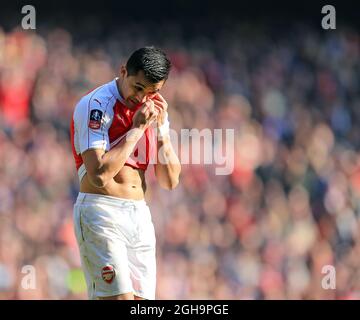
103	166
167	167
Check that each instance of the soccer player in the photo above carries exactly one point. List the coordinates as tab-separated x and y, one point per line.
117	130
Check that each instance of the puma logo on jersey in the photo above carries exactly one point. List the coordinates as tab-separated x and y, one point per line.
97	101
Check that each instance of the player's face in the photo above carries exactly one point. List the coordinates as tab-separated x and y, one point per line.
137	89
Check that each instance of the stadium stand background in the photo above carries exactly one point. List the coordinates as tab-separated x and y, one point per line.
288	88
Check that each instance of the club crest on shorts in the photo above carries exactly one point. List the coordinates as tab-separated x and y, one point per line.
108	273
95	119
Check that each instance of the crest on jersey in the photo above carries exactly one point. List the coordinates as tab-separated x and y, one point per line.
108	273
95	119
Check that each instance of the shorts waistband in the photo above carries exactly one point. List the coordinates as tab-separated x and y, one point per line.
91	198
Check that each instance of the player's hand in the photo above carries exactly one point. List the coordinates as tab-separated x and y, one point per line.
145	115
161	106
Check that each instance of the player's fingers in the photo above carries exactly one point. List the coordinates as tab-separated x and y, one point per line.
147	113
160	104
151	105
159	109
152	118
155	113
159	97
145	107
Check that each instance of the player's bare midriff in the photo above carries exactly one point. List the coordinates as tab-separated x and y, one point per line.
129	183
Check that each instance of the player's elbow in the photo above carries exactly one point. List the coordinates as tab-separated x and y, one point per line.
98	180
171	184
168	179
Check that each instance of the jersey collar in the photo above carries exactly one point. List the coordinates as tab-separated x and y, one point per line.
115	91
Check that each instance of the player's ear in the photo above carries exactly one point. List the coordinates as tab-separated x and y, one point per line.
123	72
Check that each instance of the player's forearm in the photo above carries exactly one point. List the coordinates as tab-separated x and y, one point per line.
168	167
114	160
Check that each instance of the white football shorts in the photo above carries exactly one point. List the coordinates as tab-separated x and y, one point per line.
116	238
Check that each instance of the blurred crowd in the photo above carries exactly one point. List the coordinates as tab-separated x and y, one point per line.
266	231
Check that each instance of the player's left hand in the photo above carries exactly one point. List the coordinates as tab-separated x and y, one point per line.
161	106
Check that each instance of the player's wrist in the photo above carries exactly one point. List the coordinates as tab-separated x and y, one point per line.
163	129
134	134
139	126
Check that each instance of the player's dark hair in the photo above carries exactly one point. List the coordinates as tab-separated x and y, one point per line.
152	61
